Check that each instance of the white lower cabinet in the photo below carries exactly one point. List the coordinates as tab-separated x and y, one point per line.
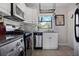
5	9
50	40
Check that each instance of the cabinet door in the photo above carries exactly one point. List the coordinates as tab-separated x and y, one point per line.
7	48
50	40
53	38
5	7
46	42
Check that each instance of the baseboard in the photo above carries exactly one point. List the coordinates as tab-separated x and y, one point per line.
65	44
62	44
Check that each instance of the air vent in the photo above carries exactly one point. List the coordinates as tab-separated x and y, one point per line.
47	11
32	5
47	7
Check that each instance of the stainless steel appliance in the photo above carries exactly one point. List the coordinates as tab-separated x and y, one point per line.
77	24
38	40
76	30
28	44
13	47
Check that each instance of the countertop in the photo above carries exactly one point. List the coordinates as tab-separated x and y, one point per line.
11	38
45	32
27	33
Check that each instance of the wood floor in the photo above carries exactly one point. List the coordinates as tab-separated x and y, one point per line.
61	51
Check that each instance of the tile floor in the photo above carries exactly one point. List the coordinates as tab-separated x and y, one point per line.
61	51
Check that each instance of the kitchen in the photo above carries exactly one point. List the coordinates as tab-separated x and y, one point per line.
39	29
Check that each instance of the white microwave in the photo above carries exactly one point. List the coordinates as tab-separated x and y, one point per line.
16	13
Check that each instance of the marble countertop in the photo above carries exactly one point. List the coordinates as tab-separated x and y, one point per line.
11	38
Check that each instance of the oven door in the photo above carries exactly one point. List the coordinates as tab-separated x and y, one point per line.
12	53
18	52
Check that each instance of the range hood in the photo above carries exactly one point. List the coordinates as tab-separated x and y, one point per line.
16	13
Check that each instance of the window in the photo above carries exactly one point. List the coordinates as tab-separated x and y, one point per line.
45	22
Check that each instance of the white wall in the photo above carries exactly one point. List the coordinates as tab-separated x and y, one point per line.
62	30
31	19
5	9
31	15
70	31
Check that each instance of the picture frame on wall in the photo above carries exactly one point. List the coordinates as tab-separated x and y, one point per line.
59	20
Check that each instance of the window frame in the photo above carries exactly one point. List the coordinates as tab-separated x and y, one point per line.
45	21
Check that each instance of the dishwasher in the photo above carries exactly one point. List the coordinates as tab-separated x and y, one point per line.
38	40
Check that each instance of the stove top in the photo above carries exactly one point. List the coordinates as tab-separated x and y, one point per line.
10	38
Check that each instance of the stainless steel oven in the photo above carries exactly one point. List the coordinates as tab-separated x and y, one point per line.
28	44
13	47
77	24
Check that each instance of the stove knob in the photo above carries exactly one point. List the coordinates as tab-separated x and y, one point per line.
21	40
18	43
20	49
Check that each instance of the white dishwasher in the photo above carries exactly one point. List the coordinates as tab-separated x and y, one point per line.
50	40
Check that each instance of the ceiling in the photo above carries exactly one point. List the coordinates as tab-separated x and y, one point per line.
36	5
63	4
47	7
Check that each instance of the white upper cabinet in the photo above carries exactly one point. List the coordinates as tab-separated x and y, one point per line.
5	8
31	15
